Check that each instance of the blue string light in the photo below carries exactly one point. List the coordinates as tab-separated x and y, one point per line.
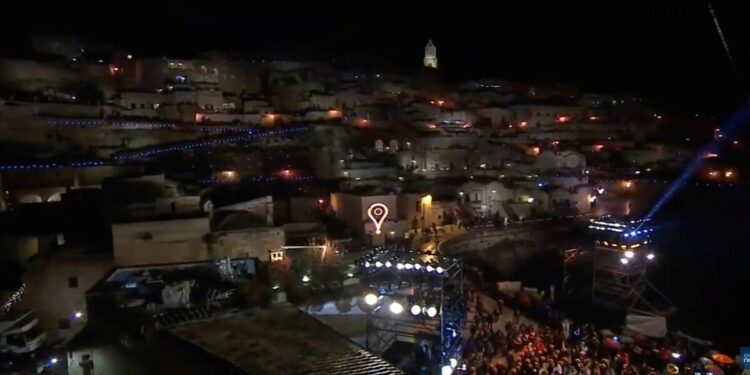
218	141
730	127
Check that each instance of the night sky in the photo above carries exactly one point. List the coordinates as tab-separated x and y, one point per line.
670	53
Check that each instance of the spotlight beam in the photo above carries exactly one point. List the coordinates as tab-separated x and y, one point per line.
730	127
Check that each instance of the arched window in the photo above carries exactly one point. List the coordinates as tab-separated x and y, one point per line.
379	145
393	145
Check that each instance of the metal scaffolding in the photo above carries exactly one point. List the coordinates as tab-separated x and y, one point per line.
621	255
430	290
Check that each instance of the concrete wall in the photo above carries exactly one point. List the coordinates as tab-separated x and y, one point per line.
49	293
176	241
171	241
253	242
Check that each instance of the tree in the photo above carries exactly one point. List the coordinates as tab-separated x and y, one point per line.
279	271
295	293
329	275
254	294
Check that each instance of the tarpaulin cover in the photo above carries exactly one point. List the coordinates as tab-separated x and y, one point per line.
652	326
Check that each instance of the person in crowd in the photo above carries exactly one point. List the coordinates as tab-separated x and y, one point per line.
516	347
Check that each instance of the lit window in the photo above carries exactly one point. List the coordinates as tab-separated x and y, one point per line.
277	256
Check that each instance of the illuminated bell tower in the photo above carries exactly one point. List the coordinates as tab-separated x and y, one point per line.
430	55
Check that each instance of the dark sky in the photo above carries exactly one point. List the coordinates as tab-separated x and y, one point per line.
671	53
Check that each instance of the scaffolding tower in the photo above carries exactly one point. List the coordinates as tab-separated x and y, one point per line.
621	254
429	290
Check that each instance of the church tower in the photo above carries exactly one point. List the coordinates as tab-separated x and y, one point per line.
430	55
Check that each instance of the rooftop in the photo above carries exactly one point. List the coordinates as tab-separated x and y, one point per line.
281	341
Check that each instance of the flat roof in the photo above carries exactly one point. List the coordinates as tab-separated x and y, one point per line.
281	341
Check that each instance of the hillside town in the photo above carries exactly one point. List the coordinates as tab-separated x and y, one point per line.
129	181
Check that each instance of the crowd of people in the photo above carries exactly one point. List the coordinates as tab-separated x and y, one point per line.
502	343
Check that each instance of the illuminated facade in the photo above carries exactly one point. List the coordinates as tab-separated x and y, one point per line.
430	55
392	214
377	212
